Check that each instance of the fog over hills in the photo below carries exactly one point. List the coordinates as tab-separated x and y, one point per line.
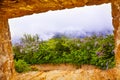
82	34
67	33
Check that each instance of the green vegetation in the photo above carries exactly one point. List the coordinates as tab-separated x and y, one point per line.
94	50
21	66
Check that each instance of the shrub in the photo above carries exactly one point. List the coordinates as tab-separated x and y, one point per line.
21	66
94	50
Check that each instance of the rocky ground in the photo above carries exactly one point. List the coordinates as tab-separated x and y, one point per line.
67	72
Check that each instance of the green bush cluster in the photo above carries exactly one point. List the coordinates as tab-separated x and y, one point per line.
22	66
94	50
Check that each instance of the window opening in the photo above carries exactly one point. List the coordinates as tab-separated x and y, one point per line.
71	36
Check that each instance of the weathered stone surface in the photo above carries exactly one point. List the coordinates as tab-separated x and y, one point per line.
6	58
67	72
116	24
17	8
79	74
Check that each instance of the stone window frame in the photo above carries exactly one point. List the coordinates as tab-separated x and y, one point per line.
16	8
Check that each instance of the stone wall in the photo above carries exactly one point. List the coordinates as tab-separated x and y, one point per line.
17	8
116	24
6	57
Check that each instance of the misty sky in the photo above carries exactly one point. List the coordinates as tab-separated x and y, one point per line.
88	18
